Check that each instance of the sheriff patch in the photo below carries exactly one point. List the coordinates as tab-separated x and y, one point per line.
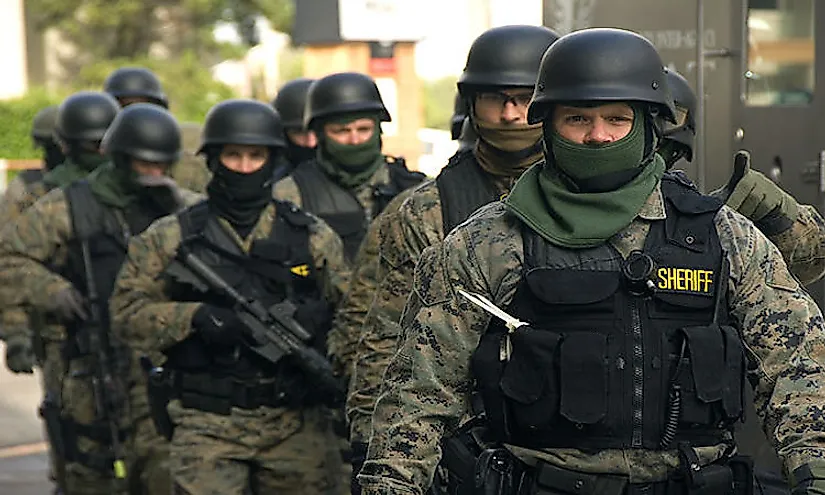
690	280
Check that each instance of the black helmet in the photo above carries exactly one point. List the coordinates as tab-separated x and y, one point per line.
242	122
345	92
135	82
146	132
44	122
290	102
505	56
601	64
461	110
85	116
684	130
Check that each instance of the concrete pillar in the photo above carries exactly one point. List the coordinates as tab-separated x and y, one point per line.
14	82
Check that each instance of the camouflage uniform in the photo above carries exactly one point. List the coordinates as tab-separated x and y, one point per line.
803	245
428	382
191	171
211	453
403	237
366	276
39	239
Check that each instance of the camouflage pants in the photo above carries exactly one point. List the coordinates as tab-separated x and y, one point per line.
51	376
261	451
149	473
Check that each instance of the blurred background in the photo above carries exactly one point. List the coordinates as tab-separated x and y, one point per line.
205	51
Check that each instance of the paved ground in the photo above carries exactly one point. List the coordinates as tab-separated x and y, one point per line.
23	460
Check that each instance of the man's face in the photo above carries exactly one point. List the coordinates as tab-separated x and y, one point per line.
600	125
243	158
506	106
305	139
153	169
358	131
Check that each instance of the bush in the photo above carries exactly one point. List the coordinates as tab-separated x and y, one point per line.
16	122
439	100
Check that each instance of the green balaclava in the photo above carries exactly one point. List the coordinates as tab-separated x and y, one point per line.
113	185
584	194
351	165
78	164
506	150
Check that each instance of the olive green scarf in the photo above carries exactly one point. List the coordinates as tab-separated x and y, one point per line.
586	194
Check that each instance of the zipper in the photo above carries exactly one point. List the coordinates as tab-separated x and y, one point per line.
638	375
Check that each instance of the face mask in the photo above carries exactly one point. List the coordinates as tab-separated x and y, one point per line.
239	197
595	168
507	150
354	157
89	160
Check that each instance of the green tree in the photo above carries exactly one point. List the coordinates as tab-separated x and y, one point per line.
134	29
16	123
439	99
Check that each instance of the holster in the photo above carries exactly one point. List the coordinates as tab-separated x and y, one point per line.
497	472
38	344
160	390
459	459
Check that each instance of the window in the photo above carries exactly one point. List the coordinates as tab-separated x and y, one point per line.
780	52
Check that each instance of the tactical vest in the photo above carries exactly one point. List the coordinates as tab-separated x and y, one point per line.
340	208
619	353
463	188
276	269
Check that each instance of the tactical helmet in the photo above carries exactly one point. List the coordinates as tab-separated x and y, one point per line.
85	116
505	56
461	110
290	103
146	132
683	131
603	65
345	92
44	122
135	82
241	121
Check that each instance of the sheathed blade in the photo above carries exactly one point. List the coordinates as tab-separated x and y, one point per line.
482	302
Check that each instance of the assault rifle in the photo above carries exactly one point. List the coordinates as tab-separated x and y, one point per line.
106	387
272	333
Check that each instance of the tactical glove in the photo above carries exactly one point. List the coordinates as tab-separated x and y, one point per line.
217	325
359	456
19	354
808	479
163	190
752	194
69	305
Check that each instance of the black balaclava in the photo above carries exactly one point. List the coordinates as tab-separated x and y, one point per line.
295	154
239	198
52	154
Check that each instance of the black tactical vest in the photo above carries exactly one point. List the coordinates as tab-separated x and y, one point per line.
106	232
619	353
340	208
276	269
463	188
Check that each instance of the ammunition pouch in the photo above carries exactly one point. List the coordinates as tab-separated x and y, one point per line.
219	395
497	472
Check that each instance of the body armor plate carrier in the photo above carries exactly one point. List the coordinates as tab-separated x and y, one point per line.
634	353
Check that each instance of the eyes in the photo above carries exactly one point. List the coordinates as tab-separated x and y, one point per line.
580	120
361	129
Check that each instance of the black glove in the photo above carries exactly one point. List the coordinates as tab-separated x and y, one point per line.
217	325
19	354
359	456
